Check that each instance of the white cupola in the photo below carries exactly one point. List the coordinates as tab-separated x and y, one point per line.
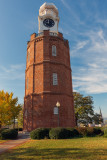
48	18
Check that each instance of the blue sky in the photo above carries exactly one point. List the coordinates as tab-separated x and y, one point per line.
82	22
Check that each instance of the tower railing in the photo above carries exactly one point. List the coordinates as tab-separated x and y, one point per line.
39	34
51	34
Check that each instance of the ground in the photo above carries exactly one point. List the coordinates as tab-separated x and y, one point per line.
2	141
80	148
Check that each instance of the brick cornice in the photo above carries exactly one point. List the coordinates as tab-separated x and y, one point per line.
47	92
51	38
48	61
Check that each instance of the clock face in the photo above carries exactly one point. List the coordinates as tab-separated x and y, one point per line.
48	22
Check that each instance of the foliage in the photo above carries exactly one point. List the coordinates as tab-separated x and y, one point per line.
83	108
65	133
20	119
59	133
9	108
2	129
105	122
82	131
73	132
20	129
98	131
9	134
90	131
40	133
105	132
97	118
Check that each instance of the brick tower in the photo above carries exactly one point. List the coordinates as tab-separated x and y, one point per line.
48	98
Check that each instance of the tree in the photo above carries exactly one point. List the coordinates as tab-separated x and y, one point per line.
4	100
9	108
20	119
97	118
83	108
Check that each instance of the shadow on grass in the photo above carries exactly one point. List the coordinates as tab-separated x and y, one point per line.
57	153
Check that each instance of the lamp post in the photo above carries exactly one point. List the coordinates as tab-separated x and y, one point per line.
58	105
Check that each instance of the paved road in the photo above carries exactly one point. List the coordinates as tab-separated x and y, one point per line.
22	138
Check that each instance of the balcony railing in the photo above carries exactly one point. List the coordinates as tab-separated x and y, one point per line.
39	34
51	34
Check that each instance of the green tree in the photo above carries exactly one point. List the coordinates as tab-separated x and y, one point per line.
83	108
9	108
97	118
14	109
20	119
4	107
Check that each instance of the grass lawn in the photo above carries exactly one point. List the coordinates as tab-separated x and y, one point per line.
2	141
80	148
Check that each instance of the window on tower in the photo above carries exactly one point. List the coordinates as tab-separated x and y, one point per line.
27	83
53	50
55	110
55	79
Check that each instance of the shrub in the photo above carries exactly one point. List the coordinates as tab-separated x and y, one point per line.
82	131
40	133
73	132
9	134
16	129
20	129
98	131
2	129
59	133
90	132
105	132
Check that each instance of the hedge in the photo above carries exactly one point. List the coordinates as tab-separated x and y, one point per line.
9	134
59	133
40	133
90	131
73	132
65	133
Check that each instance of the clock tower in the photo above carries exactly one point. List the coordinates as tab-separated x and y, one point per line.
48	18
48	100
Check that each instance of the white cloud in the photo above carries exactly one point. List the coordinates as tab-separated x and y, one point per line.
101	21
70	9
92	77
63	31
13	72
79	45
66	4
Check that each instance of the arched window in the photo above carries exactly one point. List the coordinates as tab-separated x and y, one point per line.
53	50
55	110
55	79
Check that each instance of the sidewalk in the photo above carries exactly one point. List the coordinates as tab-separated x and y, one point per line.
22	138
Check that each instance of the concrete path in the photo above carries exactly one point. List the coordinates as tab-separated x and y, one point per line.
22	138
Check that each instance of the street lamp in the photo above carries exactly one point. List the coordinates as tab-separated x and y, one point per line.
58	105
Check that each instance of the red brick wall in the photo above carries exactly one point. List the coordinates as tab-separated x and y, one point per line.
41	96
